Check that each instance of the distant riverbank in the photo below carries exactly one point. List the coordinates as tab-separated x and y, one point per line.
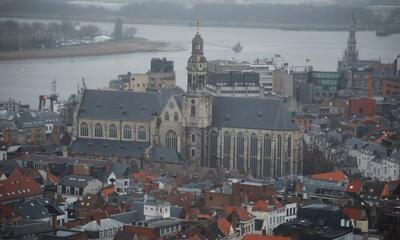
121	47
280	26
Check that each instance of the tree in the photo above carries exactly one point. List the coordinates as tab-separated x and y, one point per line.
90	31
118	29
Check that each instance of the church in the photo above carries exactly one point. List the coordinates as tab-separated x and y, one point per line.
251	136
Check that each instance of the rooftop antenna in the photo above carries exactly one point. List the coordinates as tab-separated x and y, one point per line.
198	25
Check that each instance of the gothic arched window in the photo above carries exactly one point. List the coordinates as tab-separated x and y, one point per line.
279	157
112	131
176	117
166	117
98	131
240	152
84	130
267	155
193	111
227	150
127	132
142	134
171	140
289	146
253	154
213	149
193	138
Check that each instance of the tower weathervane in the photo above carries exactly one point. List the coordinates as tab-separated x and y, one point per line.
198	25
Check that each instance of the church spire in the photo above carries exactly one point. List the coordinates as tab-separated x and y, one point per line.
351	53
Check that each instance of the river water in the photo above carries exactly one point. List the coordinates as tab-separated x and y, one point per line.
25	80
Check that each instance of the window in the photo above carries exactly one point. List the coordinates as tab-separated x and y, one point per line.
213	149
227	150
279	155
253	154
289	147
240	152
84	130
176	117
166	117
76	191
68	190
127	132
113	131
193	138
267	155
171	140
98	131
193	153
193	111
142	135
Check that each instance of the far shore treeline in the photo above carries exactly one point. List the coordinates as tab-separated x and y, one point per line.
328	16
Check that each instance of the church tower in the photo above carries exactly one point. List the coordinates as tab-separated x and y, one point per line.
197	66
197	105
351	52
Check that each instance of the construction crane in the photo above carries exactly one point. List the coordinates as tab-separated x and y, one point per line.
52	98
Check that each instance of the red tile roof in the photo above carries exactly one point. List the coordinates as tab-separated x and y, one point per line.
7	211
354	186
353	213
263	237
242	213
266	206
224	226
338	176
18	186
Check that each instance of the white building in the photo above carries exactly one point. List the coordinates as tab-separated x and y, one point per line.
156	210
120	178
265	69
272	214
373	162
102	229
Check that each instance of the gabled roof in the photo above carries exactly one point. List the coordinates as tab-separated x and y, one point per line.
224	226
119	105
101	224
18	186
252	113
120	169
337	176
242	214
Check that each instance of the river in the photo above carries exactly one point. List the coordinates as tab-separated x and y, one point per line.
25	80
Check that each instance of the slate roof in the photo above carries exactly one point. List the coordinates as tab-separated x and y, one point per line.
108	147
26	228
119	105
76	180
166	155
129	217
120	169
106	223
251	113
167	93
7	125
176	212
33	210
